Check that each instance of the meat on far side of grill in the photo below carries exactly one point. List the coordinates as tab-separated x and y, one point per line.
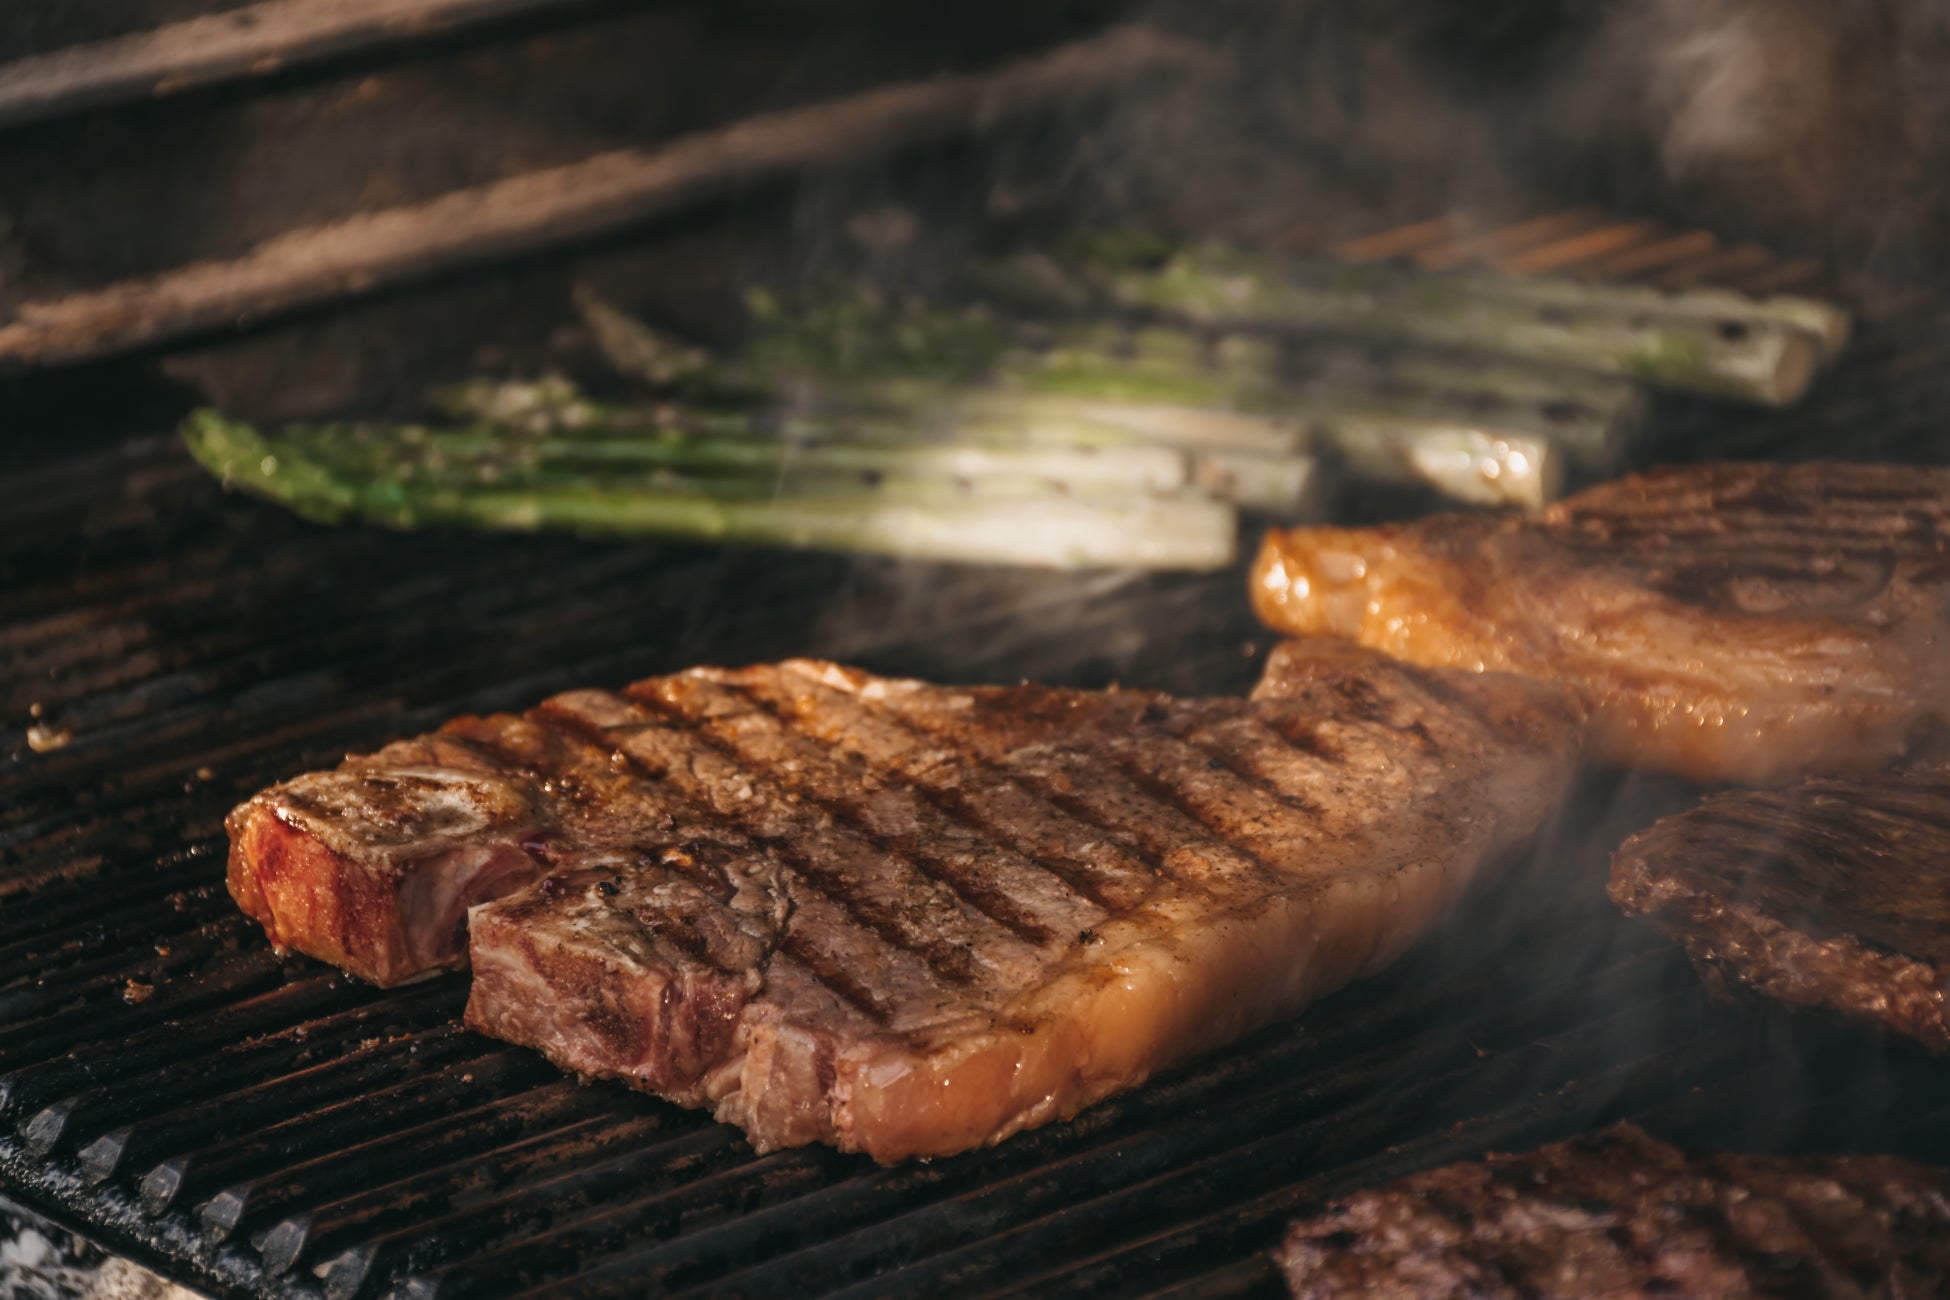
1621	1214
910	920
1832	894
1727	622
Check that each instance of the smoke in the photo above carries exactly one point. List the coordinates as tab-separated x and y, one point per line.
1816	121
1816	125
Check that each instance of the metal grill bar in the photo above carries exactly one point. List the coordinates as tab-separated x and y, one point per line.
114	1087
202	1148
523	1130
1506	242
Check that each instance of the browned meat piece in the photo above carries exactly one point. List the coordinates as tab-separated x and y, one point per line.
1832	894
909	920
372	867
1731	622
1620	1214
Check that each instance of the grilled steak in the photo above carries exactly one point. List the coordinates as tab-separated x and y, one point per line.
1725	622
1832	894
909	920
1621	1214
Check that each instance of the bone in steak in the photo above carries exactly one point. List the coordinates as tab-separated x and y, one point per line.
1742	622
909	920
1831	894
1621	1214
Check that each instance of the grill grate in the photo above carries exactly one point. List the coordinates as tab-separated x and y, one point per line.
266	1127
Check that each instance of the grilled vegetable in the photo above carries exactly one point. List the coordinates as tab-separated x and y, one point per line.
1151	387
1060	443
412	477
1497	436
1762	351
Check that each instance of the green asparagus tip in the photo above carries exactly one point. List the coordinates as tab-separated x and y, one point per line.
241	457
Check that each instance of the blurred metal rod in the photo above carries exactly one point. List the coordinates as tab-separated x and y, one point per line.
253	41
559	205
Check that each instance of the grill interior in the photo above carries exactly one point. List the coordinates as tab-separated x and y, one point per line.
260	1126
267	1127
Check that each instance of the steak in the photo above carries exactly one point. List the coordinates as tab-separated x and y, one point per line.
1730	622
1832	894
907	919
1621	1214
900	918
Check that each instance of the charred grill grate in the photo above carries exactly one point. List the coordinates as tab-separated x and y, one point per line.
266	1127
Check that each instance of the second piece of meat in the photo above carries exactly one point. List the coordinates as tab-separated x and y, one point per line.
1729	622
1621	1214
1832	894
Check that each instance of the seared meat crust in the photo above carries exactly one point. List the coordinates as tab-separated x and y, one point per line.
909	920
901	918
372	867
1730	622
1620	1214
1831	894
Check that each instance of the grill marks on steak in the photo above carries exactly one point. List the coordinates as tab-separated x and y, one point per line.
994	807
901	918
926	918
1007	889
1619	1213
1832	894
913	926
1747	622
1761	539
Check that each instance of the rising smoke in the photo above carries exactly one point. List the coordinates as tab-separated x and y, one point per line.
1817	125
1818	118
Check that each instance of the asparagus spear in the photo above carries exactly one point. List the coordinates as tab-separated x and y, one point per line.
620	440
929	520
551	404
1592	418
1757	358
986	438
1168	387
1468	464
1589	417
1488	429
846	338
1592	414
1828	324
